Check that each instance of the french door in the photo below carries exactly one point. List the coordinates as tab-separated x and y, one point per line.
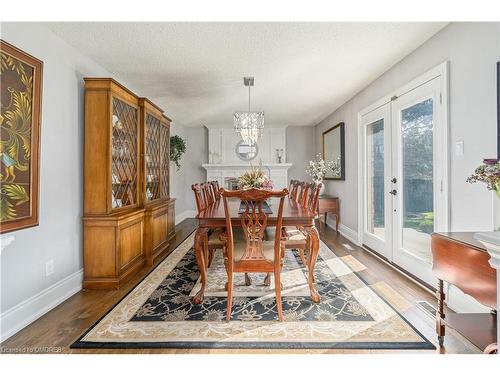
404	170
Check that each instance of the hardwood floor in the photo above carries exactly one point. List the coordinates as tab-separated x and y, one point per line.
61	326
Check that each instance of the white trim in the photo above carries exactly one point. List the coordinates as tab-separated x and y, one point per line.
27	311
441	70
184	215
349	233
345	231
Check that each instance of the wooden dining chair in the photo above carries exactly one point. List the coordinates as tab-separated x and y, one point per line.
294	191
215	189
208	193
216	237
296	238
302	196
253	253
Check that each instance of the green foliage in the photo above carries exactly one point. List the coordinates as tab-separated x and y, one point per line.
6	210
17	192
426	224
177	149
423	222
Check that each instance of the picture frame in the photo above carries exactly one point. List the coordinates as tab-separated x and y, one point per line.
334	148
20	120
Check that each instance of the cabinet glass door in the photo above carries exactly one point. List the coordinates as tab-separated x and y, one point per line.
152	157
124	155
165	158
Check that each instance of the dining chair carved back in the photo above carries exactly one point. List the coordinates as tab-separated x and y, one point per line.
215	237
294	191
199	197
313	200
303	196
296	238
208	193
215	189
253	253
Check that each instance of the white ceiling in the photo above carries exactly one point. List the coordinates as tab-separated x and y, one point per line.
303	71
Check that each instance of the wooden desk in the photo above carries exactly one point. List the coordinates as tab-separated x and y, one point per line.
460	260
329	204
293	215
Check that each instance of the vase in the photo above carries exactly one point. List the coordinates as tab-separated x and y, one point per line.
322	189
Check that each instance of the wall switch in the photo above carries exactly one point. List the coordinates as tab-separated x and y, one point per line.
459	148
49	267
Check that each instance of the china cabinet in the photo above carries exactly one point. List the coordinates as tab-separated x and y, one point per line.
126	189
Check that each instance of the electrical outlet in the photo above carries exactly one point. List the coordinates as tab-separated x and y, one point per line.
49	267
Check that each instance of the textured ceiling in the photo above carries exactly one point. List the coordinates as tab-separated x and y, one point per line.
303	71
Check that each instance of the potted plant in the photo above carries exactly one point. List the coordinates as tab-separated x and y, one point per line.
489	173
177	149
318	167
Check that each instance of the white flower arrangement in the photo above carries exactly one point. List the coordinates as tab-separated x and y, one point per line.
318	167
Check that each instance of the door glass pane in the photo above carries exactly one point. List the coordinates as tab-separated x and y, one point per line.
417	194
375	178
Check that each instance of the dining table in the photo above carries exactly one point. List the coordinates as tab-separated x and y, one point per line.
294	215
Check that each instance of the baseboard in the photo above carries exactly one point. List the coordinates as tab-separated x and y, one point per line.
184	215
26	312
347	232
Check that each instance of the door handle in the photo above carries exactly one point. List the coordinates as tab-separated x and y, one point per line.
393	192
394	180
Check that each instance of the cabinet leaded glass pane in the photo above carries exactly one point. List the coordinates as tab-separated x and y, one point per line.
165	168
124	155
153	160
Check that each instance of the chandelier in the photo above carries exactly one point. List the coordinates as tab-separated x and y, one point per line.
250	125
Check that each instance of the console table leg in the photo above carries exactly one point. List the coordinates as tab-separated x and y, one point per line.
440	325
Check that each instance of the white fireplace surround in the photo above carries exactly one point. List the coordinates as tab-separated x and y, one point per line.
278	173
225	164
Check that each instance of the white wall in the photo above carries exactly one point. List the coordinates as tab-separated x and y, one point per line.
25	290
300	149
472	50
222	144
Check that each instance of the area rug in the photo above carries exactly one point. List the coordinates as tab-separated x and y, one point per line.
158	313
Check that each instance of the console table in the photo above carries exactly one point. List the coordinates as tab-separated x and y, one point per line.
462	261
329	204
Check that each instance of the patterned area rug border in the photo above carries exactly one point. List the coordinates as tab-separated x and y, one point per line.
80	344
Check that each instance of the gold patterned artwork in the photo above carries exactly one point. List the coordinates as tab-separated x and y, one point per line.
20	80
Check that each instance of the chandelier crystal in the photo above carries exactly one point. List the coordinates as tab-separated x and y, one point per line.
250	125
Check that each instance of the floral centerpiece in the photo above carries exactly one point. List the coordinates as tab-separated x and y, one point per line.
489	173
255	178
318	168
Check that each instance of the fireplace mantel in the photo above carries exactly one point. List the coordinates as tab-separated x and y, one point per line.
246	166
278	173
